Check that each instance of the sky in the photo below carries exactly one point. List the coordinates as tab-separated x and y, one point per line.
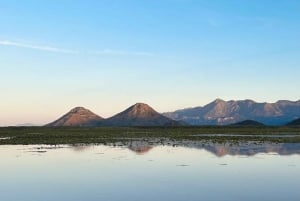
106	55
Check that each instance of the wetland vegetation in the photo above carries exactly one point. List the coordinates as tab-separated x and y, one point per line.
103	135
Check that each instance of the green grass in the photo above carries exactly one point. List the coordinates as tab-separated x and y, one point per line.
103	135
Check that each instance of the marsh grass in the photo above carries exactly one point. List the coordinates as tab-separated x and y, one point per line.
104	135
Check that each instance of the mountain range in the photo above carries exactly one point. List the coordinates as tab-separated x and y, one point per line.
139	114
220	112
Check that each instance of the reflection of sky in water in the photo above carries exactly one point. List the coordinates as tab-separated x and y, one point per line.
161	173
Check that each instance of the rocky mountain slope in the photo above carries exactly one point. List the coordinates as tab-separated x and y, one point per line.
77	117
140	114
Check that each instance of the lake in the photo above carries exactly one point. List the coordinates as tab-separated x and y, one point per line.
142	171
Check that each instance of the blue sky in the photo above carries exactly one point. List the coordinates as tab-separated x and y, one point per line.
108	54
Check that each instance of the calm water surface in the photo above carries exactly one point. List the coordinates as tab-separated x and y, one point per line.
138	171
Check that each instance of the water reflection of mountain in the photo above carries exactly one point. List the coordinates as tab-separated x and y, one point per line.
223	149
252	149
139	147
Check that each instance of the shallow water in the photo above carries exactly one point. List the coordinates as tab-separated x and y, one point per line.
139	171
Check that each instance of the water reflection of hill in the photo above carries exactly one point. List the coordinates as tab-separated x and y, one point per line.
223	149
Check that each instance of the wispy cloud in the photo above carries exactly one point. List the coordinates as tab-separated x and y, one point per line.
122	53
36	47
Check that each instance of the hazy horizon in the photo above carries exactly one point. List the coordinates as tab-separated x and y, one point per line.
170	54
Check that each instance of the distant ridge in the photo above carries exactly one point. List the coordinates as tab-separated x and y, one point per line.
220	112
77	117
295	122
140	114
248	123
26	125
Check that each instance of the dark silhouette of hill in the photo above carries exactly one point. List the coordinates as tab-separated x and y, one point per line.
248	123
295	122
